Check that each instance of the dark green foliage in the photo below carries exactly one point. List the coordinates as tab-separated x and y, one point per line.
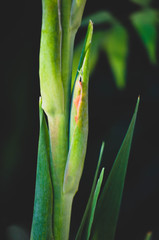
42	217
106	216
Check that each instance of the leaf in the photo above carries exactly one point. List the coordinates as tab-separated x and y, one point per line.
80	53
116	47
94	53
42	216
94	202
108	207
86	217
145	23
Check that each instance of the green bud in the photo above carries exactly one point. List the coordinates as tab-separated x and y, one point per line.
50	59
78	121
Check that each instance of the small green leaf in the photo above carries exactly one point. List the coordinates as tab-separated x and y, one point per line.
148	236
86	217
108	207
43	203
145	23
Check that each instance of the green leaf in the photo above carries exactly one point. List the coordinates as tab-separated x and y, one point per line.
86	217
94	53
94	202
116	47
108	207
82	50
43	203
145	23
148	236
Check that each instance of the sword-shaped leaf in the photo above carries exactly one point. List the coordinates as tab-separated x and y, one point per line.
42	216
94	203
82	231
108	207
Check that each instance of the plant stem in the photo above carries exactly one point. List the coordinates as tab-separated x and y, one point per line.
59	147
59	133
62	203
62	215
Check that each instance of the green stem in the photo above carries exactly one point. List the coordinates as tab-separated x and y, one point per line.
62	203
66	50
66	68
59	147
62	215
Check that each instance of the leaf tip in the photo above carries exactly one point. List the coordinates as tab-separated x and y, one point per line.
138	101
91	22
40	101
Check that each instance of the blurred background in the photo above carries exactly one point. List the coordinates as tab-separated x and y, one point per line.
124	65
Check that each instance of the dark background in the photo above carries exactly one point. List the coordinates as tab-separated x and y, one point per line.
110	111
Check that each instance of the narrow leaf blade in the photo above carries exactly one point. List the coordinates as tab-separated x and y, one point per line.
108	207
80	53
94	54
42	216
94	202
86	216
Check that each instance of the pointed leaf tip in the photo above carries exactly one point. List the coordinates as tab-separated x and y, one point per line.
108	207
